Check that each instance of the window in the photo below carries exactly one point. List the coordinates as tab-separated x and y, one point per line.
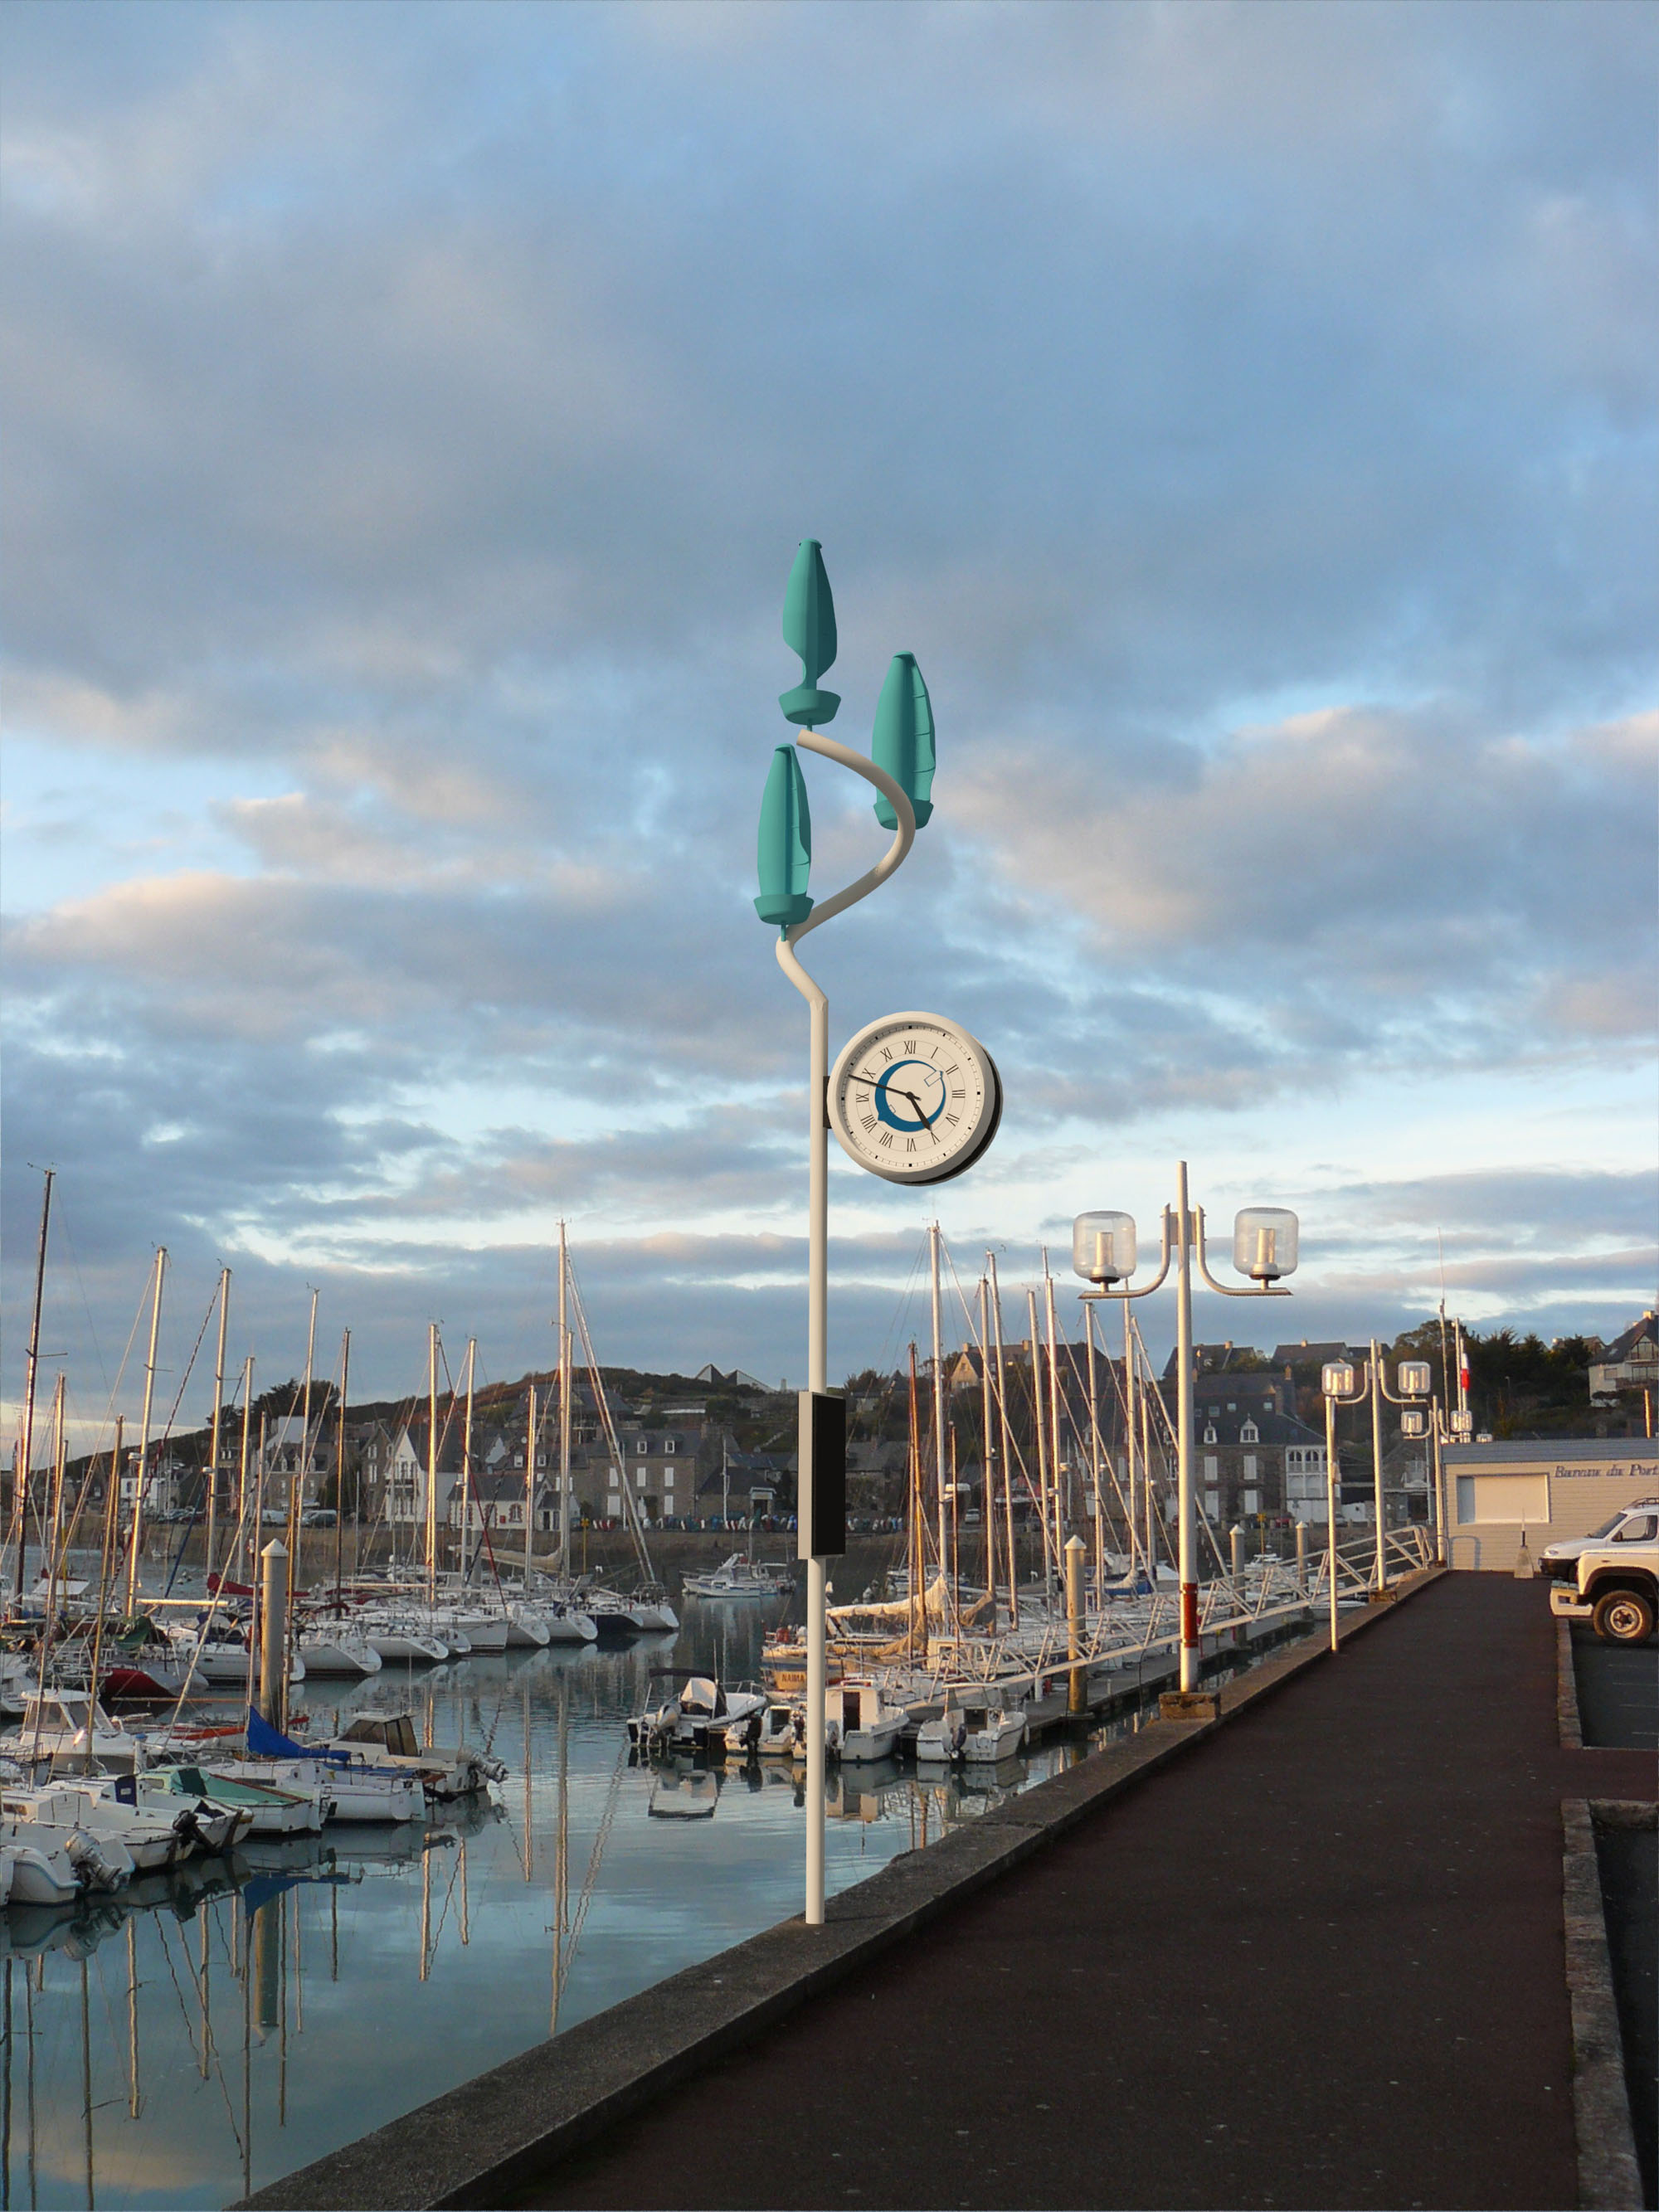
1253	1501
1209	1439
668	1477
639	1478
1640	1529
1212	1503
1249	1434
1249	1467
668	1446
1212	1463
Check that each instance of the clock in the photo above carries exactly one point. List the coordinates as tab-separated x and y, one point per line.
915	1098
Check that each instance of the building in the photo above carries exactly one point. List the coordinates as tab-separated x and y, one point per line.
1547	1488
1631	1363
496	1502
1252	1458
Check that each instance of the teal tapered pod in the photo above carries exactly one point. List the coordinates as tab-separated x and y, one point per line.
809	629
785	850
903	740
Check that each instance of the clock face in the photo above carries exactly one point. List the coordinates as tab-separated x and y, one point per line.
915	1098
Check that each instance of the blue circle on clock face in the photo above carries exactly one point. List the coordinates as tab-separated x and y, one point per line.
904	1118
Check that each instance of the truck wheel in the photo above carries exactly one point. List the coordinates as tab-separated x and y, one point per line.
1623	1616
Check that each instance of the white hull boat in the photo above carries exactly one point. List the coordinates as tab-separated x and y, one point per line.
702	1715
740	1578
39	1869
526	1628
970	1736
337	1651
567	1624
858	1723
401	1642
355	1791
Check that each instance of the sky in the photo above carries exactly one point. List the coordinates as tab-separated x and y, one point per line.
1246	414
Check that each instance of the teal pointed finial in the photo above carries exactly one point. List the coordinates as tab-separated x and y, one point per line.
809	629
903	739
785	848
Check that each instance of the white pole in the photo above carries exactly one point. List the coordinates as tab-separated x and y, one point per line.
1381	1571
988	1487
939	1408
143	1476
469	1497
1130	1429
1187	1567
1330	1507
1437	1476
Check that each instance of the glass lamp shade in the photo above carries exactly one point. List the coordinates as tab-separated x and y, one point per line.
1103	1246
1264	1243
1414	1422
1336	1378
1414	1380
1463	1425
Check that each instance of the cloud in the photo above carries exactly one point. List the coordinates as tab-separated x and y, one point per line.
1246	414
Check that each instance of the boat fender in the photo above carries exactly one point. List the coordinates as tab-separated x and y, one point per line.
959	1740
831	1735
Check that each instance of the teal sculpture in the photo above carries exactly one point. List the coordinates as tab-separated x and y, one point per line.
785	850
809	629
903	740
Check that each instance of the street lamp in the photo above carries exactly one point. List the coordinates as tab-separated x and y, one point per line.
902	773
1103	1253
1340	1388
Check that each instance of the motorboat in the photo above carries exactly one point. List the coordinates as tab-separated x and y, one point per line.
970	1736
298	1811
354	1790
739	1577
39	1869
681	1794
700	1715
783	1734
445	1773
858	1723
67	1730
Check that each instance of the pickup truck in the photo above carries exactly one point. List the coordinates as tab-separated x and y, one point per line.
1611	1576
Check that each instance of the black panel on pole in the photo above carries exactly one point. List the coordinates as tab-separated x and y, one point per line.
822	1489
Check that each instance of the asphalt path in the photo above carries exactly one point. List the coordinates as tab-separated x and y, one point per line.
1617	1691
1320	1962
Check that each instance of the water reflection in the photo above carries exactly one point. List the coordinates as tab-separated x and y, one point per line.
208	2030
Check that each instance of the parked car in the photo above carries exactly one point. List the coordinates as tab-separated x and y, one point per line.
1610	1577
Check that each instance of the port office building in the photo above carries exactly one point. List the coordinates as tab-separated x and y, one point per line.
1552	1487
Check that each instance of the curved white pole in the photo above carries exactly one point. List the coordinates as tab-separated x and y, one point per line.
818	1273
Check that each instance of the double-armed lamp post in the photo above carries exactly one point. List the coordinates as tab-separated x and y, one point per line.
912	1098
1264	1250
1341	1387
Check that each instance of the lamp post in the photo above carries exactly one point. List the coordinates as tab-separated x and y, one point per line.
903	747
1340	1388
1264	1249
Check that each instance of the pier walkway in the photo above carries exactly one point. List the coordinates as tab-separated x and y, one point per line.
1320	1962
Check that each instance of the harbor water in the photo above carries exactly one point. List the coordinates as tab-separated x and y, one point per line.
205	2033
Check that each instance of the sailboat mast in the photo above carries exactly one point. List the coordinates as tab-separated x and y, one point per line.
54	1528
529	1492
20	1487
468	1498
339	1465
565	1364
1053	1416
143	1476
245	1531
1039	1422
218	1410
987	1485
432	1463
939	1399
913	1518
1007	1456
296	1484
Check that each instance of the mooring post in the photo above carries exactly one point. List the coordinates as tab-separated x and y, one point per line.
273	1635
1235	1544
1302	1557
1077	1700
